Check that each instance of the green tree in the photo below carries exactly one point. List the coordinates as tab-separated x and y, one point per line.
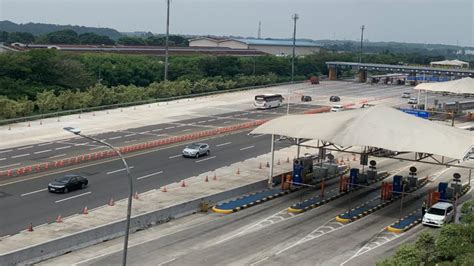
25	107
8	108
61	37
406	255
131	41
47	101
92	38
426	246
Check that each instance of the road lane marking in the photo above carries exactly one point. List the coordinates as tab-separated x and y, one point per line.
246	148
158	129
24	148
258	136
145	176
1	159
64	147
118	137
73	197
169	127
21	155
175	156
130	140
166	262
184	130
226	122
96	148
223	144
5	166
56	156
119	170
200	122
259	261
198	161
38	152
33	192
44	144
6	151
129	135
210	120
81	144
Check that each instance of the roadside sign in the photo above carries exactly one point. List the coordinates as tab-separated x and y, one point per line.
418	113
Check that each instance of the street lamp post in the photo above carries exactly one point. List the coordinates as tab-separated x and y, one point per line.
167	38
295	17
77	132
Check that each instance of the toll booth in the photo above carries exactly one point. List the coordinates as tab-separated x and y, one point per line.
397	184
442	187
353	177
302	170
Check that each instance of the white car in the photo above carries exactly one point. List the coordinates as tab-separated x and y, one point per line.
337	108
413	100
406	95
439	214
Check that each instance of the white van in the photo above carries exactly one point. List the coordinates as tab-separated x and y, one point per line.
439	214
337	108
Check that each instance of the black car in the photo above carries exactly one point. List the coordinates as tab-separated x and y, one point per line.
334	99
67	183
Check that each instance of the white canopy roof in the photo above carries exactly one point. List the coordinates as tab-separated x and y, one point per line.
450	63
378	126
464	85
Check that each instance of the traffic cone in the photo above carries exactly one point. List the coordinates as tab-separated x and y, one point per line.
111	202
183	183
59	219
9	127
207	179
135	196
238	171
337	161
30	228
215	176
93	114
41	122
85	211
163	189
260	166
287	159
268	164
278	162
29	124
354	157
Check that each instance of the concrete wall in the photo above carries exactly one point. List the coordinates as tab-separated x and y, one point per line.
60	246
285	50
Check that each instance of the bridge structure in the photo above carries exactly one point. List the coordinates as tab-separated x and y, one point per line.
363	68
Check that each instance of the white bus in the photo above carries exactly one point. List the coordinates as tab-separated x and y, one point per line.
265	101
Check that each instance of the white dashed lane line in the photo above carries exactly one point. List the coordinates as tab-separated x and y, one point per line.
158	129
33	192
169	127
81	144
200	122
21	155
73	197
96	148
129	135
184	130
44	144
24	148
212	157
119	170
175	156
56	156
10	165
246	148
6	151
118	137
258	136
38	152
152	174
64	147
223	144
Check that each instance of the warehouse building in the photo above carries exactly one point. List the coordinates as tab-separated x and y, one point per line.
275	47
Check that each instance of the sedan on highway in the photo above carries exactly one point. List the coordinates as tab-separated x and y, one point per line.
67	183
334	99
413	100
196	149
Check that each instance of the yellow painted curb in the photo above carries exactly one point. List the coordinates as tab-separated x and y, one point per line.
294	210
215	209
342	220
394	230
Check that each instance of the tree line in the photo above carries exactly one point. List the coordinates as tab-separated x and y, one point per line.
71	37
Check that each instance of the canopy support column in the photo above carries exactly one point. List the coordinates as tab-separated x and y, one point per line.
426	100
270	174
469	177
298	148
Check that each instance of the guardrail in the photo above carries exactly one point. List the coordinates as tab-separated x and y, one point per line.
121	105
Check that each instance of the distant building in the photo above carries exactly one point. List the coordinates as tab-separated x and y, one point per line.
4	48
450	64
275	47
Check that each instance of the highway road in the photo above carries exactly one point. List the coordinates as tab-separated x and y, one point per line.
267	235
26	199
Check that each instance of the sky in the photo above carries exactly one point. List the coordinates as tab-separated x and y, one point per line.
419	21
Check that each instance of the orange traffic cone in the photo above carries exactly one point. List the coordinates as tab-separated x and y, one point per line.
238	171
268	164
183	183
30	228
111	202
9	127
135	196
347	159
85	211
41	122
337	161
59	219
207	179
163	189
215	176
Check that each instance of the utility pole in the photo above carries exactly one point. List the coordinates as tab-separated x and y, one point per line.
362	28
259	34
167	38
295	17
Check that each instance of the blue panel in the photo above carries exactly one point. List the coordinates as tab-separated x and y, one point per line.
397	183
418	113
442	190
354	172
297	173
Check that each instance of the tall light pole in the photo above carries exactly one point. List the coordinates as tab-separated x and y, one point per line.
295	17
77	132
362	28
167	38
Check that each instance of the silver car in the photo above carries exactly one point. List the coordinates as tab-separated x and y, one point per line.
196	149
